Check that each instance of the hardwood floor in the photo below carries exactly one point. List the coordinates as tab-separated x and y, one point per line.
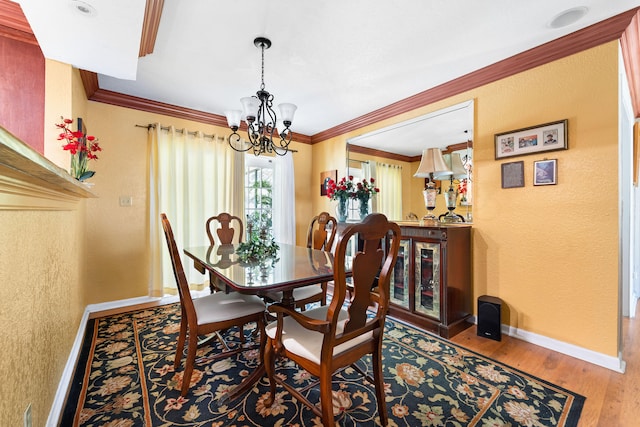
612	399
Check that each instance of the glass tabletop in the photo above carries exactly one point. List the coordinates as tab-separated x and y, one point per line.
295	266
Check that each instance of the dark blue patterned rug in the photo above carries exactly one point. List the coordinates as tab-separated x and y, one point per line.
125	377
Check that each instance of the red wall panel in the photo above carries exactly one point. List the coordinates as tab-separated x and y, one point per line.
22	87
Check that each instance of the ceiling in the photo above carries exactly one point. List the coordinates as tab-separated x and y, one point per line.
336	60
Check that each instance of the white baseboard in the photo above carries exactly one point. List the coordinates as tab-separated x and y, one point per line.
610	362
67	373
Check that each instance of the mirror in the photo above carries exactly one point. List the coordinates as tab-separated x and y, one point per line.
391	156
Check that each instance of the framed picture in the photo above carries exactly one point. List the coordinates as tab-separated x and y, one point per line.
513	174
545	172
324	180
532	140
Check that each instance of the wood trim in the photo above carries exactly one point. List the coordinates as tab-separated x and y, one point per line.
90	82
152	14
380	153
630	46
142	104
457	147
13	23
592	36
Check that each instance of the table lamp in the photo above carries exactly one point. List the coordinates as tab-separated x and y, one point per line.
431	164
454	162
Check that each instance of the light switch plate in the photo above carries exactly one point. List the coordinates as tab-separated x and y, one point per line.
126	201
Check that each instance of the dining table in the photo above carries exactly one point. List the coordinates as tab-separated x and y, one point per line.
293	267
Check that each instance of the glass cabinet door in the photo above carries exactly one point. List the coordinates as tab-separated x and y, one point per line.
399	283
427	279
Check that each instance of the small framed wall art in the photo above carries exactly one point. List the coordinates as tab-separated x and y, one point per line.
532	140
324	180
513	174
545	172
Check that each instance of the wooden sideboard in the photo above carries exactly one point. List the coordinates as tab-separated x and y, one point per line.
431	282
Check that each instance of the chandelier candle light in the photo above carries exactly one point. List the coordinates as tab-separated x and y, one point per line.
262	121
431	164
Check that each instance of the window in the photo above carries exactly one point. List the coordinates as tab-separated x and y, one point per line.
258	183
353	206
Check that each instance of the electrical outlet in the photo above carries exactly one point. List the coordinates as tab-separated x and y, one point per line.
27	417
126	201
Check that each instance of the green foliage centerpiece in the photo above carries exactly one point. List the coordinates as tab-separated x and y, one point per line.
259	248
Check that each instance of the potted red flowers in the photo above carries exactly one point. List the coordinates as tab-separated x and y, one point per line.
341	191
346	189
82	148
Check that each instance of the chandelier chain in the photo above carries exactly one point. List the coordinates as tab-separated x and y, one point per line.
262	77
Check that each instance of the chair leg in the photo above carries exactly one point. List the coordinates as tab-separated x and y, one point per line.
326	398
191	360
269	366
181	339
379	385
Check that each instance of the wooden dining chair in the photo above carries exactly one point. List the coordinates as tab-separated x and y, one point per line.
321	234
208	314
227	234
325	339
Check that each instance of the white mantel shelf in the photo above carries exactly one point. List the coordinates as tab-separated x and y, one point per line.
30	181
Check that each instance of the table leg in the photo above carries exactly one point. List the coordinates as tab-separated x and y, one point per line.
253	378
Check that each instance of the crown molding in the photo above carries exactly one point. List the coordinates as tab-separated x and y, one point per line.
592	36
624	27
13	23
381	153
630	46
152	14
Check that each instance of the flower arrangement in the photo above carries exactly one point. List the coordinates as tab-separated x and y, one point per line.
346	189
82	148
462	189
365	190
342	190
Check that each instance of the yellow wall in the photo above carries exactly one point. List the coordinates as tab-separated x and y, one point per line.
550	252
119	253
42	260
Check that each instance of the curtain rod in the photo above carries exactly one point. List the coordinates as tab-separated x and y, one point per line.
194	133
359	161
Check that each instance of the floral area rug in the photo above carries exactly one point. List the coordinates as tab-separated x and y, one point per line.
125	377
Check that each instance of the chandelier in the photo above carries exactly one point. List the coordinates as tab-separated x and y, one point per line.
262	122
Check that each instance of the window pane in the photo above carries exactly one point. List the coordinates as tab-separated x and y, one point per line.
259	193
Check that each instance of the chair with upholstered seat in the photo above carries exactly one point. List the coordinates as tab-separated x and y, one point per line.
226	235
328	338
321	234
208	314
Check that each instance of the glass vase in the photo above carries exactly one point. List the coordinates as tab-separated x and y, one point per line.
341	210
364	209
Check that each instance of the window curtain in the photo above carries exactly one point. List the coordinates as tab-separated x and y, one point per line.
389	181
284	195
191	178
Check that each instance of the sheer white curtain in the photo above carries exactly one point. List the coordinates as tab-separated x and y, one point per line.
389	181
284	197
192	177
